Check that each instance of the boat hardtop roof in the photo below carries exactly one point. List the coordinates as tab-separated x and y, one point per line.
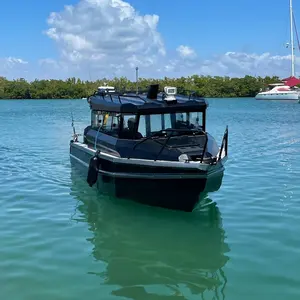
105	88
150	103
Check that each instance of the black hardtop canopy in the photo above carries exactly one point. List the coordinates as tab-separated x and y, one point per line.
152	103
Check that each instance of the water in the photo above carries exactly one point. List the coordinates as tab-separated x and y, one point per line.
61	239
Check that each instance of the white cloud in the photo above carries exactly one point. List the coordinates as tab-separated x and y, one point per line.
240	64
106	34
48	68
45	62
11	62
186	52
233	64
11	67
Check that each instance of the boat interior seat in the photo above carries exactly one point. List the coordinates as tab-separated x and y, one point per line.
130	134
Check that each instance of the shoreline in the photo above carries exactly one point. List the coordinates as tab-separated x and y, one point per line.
75	88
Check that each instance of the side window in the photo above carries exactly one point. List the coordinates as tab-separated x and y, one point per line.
129	128
110	123
155	121
196	120
181	121
181	117
126	121
97	119
168	123
107	122
142	126
100	120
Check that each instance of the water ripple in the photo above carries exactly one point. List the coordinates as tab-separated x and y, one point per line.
61	239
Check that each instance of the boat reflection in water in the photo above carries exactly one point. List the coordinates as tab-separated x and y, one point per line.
150	252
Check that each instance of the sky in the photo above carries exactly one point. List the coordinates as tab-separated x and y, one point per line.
93	39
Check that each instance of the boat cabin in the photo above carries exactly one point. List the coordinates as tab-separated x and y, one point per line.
131	116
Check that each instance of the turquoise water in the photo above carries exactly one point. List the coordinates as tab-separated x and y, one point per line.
61	239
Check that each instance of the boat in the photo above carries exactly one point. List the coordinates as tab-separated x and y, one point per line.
279	91
152	146
287	89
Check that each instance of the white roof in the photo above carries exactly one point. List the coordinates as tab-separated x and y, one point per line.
106	88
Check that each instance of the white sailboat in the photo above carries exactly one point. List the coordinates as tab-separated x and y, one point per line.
285	90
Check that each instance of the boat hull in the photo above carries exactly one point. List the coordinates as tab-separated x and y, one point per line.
162	186
279	96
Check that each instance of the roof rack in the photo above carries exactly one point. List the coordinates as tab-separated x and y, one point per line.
107	98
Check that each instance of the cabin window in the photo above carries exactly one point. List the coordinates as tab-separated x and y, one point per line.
191	120
129	128
97	119
127	119
109	123
167	121
181	117
155	123
142	126
195	119
181	120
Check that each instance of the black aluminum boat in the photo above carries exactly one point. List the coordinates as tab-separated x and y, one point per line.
153	147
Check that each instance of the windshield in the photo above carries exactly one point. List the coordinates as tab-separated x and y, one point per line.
150	124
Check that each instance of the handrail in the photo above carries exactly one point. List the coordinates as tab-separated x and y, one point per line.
204	148
151	138
192	93
224	141
164	145
146	139
138	143
119	99
131	94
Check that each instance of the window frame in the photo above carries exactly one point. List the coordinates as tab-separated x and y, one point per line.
173	115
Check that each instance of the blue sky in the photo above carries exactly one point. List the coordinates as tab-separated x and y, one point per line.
210	28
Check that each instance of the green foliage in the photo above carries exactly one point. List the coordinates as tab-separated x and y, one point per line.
73	88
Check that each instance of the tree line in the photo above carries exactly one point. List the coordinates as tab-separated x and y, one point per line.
72	88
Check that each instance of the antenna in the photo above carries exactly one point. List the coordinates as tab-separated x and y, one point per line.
296	31
292	38
137	79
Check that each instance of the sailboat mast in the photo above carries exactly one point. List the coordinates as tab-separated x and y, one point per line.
292	38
